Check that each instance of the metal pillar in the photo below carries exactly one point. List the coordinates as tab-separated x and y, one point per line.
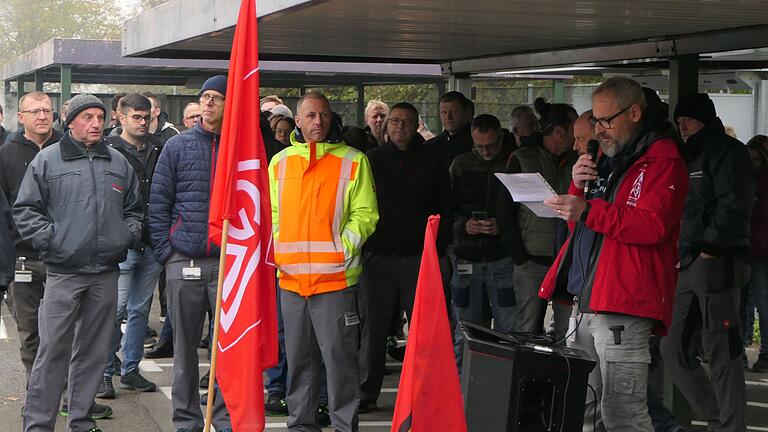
683	79
39	81
66	83
361	105
558	88
441	90
460	83
20	87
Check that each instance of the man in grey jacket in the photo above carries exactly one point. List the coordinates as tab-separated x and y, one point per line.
79	205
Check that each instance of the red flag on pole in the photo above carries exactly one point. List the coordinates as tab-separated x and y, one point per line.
247	341
429	397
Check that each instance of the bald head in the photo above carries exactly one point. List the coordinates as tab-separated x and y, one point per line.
583	131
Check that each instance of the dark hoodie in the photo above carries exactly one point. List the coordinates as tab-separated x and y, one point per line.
411	185
15	156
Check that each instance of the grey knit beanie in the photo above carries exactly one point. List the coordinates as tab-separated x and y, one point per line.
82	102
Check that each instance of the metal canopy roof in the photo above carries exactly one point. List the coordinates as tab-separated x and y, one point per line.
464	35
101	62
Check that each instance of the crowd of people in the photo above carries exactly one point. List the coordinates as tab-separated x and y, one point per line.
658	251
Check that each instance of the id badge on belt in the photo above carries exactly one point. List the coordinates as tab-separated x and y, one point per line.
23	275
191	272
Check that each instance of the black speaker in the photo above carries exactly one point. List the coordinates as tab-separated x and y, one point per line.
513	383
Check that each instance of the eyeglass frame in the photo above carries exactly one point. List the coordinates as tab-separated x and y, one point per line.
207	97
594	121
36	112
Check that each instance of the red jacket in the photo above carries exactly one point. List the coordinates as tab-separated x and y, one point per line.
635	272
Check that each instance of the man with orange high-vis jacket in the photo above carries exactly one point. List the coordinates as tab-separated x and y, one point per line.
323	209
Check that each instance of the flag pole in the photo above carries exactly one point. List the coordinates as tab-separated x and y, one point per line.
217	317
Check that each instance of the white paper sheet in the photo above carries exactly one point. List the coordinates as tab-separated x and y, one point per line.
530	189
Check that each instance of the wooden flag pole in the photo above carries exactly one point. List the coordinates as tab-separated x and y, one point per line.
217	317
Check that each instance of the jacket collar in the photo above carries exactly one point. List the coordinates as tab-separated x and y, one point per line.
698	141
465	131
416	143
205	132
19	138
73	149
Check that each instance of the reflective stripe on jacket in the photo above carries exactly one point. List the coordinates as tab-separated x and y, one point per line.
323	209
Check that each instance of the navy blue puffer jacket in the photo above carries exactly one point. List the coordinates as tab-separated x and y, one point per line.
179	195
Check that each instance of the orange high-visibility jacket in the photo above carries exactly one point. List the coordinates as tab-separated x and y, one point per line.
323	209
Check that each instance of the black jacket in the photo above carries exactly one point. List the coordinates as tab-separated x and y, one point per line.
15	156
143	163
80	207
449	146
411	185
7	257
3	135
165	129
476	188
721	193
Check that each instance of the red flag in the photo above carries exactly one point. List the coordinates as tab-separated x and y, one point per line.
248	325
429	397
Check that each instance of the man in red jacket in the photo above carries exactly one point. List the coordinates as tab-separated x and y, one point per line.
619	262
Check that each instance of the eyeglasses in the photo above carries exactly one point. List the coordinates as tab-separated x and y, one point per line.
138	118
397	122
486	148
36	112
206	97
605	123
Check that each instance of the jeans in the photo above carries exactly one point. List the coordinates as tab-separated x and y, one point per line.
471	282
139	274
758	291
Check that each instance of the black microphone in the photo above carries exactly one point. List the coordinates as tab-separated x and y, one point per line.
592	147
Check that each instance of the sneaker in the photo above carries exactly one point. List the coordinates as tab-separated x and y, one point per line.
106	389
97	411
323	416
134	381
94	429
761	365
149	342
205	380
151	332
164	349
275	405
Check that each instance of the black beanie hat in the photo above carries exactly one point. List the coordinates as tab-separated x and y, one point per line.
82	102
217	83
696	106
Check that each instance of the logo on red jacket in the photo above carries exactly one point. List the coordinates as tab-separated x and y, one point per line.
637	187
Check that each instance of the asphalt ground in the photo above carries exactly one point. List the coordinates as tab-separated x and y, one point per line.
151	412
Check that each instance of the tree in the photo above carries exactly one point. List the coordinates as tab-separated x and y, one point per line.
28	24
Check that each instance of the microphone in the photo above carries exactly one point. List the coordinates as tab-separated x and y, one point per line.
592	147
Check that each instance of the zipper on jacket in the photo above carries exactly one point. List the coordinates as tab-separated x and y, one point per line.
210	188
94	249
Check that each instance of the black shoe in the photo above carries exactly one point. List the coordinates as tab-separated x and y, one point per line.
94	429
164	349
149	342
204	399
761	365
275	405
204	343
205	380
134	381
323	416
117	366
151	332
97	411
366	407
106	389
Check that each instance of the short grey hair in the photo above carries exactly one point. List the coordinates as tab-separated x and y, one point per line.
626	91
518	112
